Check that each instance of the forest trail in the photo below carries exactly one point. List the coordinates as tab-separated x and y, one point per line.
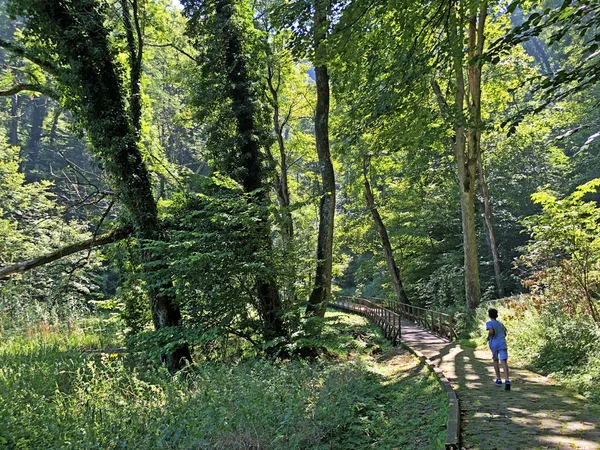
535	414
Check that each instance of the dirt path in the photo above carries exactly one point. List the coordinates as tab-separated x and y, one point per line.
535	414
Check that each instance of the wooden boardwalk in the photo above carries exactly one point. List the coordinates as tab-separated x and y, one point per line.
535	414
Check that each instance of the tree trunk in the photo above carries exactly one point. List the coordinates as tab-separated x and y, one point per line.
280	184
281	179
466	176
489	222
82	46
317	303
14	120
477	18
33	144
466	161
135	47
385	243
244	107
54	127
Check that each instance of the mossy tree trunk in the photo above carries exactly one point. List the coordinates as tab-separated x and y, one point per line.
77	38
224	32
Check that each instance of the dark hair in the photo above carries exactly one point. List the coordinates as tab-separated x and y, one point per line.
493	313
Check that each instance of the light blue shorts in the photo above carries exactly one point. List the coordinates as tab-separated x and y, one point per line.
499	354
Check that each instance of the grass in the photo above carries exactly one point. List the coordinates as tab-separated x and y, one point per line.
67	387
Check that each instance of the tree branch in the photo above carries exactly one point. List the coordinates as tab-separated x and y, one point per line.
48	91
180	50
21	51
23	266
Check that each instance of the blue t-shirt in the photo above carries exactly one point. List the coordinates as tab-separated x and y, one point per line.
498	340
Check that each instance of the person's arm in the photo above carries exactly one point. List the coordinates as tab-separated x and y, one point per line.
490	330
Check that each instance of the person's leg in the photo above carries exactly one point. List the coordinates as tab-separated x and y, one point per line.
497	369
496	364
505	367
503	356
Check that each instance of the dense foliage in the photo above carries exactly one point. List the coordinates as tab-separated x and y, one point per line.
252	158
70	386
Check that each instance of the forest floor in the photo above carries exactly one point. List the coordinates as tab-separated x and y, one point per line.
75	387
536	413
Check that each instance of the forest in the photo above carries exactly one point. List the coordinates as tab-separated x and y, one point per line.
186	188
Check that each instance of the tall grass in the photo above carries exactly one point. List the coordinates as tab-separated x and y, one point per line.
68	387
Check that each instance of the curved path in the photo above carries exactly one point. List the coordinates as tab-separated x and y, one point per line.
535	414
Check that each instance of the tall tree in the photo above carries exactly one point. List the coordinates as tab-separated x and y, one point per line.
280	121
488	217
465	116
385	240
72	40
225	35
317	303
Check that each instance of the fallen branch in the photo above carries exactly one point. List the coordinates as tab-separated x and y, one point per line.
97	241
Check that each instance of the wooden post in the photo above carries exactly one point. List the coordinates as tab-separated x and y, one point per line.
440	323
432	323
450	328
385	320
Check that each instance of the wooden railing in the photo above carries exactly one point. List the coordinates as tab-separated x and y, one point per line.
388	320
439	323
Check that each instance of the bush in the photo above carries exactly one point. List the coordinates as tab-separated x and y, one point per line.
562	259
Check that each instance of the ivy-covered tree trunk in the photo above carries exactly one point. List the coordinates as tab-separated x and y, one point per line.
87	70
385	243
317	303
251	172
135	47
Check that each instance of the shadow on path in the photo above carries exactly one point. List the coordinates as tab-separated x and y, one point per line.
535	414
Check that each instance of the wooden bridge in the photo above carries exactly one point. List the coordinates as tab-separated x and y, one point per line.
389	314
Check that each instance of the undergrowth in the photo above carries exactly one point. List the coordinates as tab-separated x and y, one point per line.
73	387
544	338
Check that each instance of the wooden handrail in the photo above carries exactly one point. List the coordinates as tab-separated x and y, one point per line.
437	322
388	314
388	320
